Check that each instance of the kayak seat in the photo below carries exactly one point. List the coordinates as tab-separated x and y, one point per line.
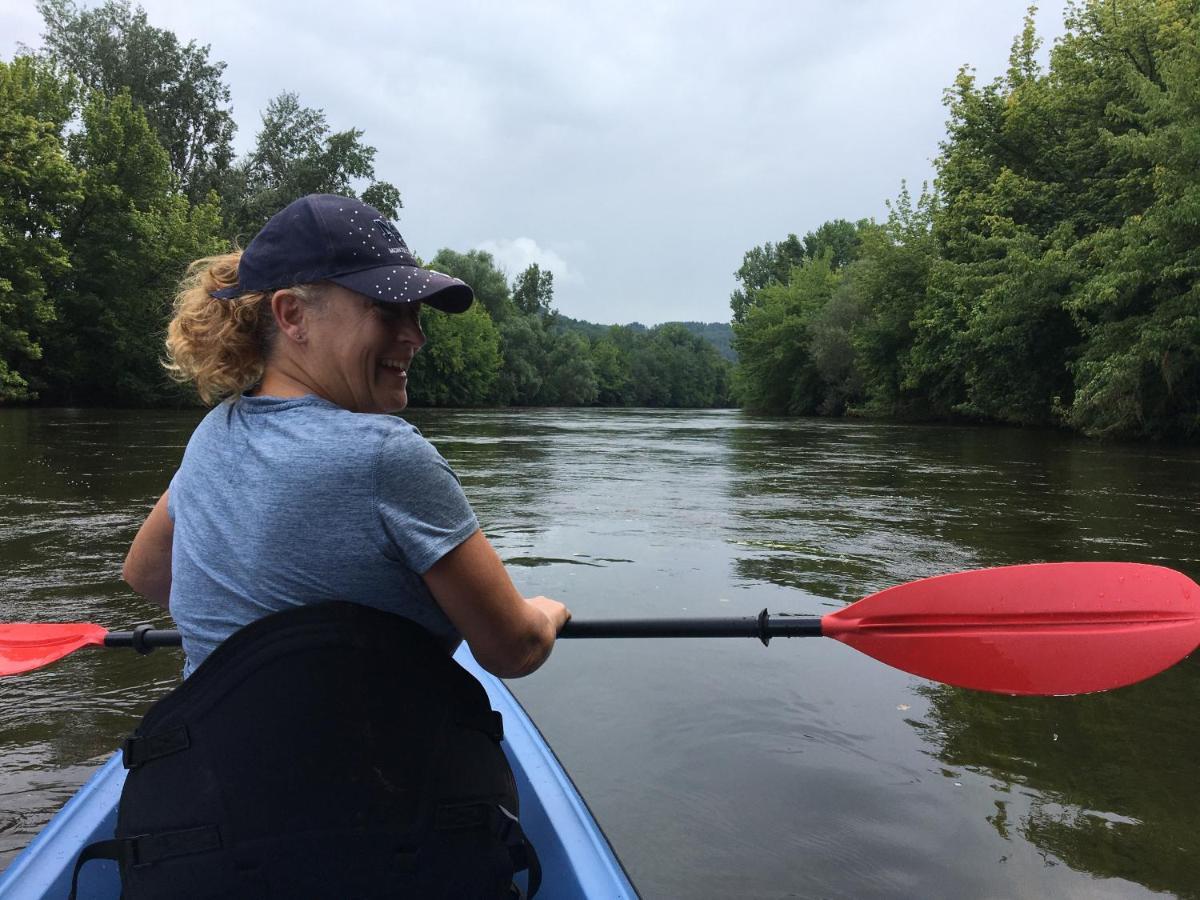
328	751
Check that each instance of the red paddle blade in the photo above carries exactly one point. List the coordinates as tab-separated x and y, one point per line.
25	646
1047	628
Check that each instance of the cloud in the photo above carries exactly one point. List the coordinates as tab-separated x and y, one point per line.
517	254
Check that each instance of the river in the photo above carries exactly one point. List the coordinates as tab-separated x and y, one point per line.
718	768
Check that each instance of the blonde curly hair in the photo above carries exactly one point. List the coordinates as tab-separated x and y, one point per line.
222	346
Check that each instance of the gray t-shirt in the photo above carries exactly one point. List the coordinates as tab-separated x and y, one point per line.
284	502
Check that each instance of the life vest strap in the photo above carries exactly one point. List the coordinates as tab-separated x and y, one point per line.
140	749
148	849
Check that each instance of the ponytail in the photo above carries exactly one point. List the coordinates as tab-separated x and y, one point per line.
219	345
222	346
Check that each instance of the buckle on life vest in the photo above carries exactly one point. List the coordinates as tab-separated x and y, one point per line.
148	849
140	749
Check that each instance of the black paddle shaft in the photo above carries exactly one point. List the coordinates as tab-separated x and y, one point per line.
143	638
764	626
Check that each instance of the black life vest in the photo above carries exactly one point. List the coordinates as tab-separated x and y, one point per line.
329	751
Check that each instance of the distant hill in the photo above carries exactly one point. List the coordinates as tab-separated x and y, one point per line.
719	334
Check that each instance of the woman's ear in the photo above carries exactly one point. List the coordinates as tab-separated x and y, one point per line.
290	314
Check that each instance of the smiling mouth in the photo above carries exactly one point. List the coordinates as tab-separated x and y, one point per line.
395	366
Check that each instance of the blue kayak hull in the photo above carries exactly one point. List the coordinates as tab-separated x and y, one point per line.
577	860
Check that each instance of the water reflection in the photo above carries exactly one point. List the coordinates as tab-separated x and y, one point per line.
1099	782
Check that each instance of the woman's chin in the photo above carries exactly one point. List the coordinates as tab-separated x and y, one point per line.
398	403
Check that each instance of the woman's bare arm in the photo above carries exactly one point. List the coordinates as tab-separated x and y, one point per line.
148	564
509	635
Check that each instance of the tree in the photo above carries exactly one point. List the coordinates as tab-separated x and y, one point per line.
520	380
533	292
890	282
776	371
991	338
568	377
763	266
296	154
129	240
113	48
773	263
478	269
41	187
673	367
834	356
839	238
614	374
1138	295
460	361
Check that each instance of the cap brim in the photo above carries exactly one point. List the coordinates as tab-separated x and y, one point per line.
409	284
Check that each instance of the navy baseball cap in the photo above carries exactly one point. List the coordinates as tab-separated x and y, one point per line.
323	237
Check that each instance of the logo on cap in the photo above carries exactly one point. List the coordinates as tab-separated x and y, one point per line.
392	235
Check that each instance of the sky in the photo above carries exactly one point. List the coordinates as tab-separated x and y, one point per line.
635	149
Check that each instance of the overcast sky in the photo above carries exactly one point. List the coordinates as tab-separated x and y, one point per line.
636	149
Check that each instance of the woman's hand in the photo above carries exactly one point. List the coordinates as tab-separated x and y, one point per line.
554	611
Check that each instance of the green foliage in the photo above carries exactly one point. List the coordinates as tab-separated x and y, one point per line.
568	374
129	240
478	269
520	379
1138	296
832	348
777	372
113	48
773	263
533	291
296	154
1052	277
719	334
611	360
673	367
543	366
761	267
839	238
548	360
40	188
460	361
889	284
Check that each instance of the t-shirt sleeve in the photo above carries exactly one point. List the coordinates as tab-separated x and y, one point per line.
423	509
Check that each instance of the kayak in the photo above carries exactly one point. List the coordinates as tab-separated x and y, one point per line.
577	859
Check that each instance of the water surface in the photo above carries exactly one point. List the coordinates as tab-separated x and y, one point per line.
719	768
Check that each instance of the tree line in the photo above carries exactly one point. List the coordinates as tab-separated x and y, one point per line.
1048	278
512	348
117	169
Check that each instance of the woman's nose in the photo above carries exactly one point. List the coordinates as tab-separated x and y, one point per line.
410	331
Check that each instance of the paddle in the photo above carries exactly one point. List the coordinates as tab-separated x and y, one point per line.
1046	628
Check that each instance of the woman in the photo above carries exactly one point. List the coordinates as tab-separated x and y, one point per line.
300	487
327	748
